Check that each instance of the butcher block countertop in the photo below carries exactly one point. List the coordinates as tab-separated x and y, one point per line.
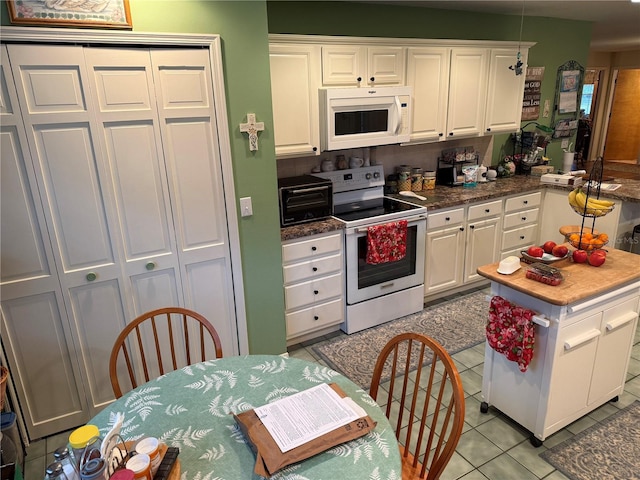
581	280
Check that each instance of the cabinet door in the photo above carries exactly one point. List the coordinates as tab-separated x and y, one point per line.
385	65
428	74
444	259
35	332
482	246
295	79
610	367
504	92
467	92
572	368
52	84
344	65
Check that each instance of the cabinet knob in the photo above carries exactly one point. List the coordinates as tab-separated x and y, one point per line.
521	237
91	276
525	201
359	79
487	210
315	149
488	129
447	219
373	79
462	229
313	249
441	134
315	269
472	227
524	219
315	292
150	265
316	317
451	134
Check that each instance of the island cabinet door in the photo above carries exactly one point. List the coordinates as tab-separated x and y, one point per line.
610	369
573	367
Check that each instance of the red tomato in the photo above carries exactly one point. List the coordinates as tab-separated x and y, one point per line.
535	251
548	246
597	258
579	256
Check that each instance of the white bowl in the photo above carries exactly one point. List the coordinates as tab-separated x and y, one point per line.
509	265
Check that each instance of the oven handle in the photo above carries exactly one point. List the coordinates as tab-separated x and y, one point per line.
409	220
311	189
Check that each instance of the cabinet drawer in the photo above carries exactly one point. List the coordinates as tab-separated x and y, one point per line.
316	290
517	219
519	237
316	267
443	219
523	201
312	247
314	318
485	210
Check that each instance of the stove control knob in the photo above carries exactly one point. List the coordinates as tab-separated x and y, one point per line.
376	174
368	176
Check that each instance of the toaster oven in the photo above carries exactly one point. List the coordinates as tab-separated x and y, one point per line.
304	198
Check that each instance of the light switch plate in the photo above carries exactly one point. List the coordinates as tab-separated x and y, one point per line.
246	210
565	143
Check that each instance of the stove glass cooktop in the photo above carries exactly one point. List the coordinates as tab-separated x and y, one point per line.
388	206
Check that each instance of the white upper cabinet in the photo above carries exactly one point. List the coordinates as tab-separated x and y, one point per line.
428	74
295	79
467	92
505	91
361	66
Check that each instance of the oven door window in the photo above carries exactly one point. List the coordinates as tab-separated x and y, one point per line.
361	121
369	275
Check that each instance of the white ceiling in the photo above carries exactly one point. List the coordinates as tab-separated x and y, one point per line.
616	23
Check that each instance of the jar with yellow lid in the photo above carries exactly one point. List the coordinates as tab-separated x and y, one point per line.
429	180
83	437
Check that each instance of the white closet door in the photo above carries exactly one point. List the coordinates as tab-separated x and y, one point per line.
35	329
51	83
192	155
124	102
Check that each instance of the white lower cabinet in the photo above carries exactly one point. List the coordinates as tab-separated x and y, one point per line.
520	223
313	285
459	241
580	360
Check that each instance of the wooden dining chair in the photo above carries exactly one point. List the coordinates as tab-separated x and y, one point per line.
424	403
158	342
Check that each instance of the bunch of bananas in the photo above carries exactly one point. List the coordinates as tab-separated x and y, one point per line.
591	206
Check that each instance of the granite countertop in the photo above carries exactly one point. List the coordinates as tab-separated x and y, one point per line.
581	281
446	197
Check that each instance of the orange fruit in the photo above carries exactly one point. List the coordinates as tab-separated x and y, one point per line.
596	243
574	238
587	236
603	237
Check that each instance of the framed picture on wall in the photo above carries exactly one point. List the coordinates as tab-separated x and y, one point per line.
71	13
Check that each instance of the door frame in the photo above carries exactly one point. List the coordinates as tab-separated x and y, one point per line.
153	40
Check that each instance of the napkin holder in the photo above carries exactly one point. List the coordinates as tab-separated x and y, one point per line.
269	457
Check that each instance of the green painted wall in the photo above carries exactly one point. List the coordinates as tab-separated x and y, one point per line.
243	26
557	41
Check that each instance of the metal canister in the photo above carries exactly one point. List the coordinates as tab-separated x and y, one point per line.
404	178
416	179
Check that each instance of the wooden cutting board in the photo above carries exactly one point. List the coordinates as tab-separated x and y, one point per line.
581	280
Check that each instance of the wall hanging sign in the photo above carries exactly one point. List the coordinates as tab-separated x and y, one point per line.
71	13
569	83
532	88
252	128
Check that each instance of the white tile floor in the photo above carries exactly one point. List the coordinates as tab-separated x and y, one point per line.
492	446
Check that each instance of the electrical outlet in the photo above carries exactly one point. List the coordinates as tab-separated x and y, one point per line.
545	110
565	143
246	210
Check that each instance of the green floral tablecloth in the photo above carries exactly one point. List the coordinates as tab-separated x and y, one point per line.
190	409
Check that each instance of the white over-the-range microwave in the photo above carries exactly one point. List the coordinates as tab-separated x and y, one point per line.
364	117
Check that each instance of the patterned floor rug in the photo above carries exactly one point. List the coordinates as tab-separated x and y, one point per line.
609	450
457	324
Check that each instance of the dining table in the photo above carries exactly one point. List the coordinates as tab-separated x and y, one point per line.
192	409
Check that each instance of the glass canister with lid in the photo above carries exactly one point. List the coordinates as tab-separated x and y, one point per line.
404	178
429	180
416	179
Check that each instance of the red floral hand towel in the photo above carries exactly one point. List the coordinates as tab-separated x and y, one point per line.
510	331
387	243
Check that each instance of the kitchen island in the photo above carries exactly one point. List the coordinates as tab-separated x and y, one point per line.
584	331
